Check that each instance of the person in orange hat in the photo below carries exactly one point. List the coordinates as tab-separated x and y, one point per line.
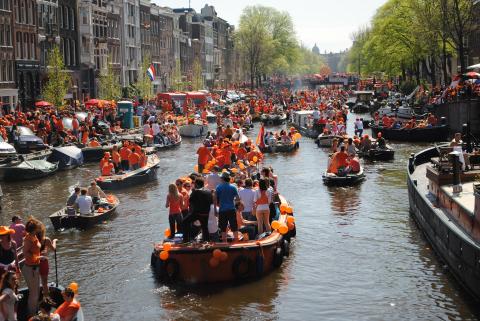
8	253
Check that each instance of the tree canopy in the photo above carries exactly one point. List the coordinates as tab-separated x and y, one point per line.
59	80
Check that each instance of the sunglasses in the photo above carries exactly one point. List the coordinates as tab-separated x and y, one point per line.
187	185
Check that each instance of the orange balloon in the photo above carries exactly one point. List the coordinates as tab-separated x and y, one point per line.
74	287
275	225
234	170
163	255
255	159
224	256
283	208
205	171
167	232
167	246
291	226
289	210
217	253
283	229
213	262
195	168
242	167
290	219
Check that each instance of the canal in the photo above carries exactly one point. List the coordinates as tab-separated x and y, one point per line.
358	254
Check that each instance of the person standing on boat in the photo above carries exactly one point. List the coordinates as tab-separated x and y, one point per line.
247	196
262	200
174	203
19	228
8	297
133	160
124	154
8	250
200	201
96	192
227	195
30	269
46	244
456	145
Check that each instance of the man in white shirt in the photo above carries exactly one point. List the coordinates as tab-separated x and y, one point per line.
315	115
247	195
84	203
213	179
358	127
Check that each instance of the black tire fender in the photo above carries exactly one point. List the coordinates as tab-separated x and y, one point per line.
277	257
237	264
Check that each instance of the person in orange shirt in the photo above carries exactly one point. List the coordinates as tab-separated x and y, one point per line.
94	143
67	311
142	162
241	152
104	160
339	161
108	168
133	160
227	156
116	158
204	156
124	153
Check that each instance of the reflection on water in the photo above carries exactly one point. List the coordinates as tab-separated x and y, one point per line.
357	256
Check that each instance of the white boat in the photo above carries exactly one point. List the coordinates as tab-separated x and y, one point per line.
326	140
400	112
193	130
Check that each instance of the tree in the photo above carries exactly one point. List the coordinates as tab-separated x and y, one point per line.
109	83
197	81
144	83
177	82
59	80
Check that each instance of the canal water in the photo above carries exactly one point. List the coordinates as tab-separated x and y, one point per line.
358	254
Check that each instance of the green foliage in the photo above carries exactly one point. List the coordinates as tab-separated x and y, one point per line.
109	87
197	81
59	80
308	62
177	82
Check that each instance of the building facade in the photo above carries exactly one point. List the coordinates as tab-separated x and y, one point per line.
114	32
8	89
68	32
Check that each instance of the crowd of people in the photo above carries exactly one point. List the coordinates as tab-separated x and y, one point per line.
24	252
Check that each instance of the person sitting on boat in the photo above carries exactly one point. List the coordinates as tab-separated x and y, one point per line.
108	169
94	143
350	148
95	192
8	296
133	160
381	143
431	119
226	196
84	203
353	166
116	159
68	310
8	250
104	160
199	207
339	162
246	227
366	143
72	198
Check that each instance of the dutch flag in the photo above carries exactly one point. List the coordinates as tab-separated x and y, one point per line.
151	72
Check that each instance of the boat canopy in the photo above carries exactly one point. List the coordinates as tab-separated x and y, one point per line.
67	156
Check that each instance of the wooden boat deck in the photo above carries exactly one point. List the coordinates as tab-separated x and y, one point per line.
420	176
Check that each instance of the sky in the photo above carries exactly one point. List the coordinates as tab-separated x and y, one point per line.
328	23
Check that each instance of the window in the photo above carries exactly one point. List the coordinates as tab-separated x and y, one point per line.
74	53
66	18
28	13
2	32
17	46
22	11
17	13
61	16
25	45
72	20
33	54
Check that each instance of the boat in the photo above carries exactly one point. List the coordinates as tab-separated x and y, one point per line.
379	154
200	263
361	108
159	147
360	102
131	178
302	120
55	293
280	148
447	212
424	134
68	157
95	154
7	152
193	130
273	119
404	112
67	218
326	140
27	170
332	179
211	117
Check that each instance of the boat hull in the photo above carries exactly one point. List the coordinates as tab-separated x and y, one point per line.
280	148
274	121
460	254
193	130
348	180
434	134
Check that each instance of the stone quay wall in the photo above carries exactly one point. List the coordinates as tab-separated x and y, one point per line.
459	113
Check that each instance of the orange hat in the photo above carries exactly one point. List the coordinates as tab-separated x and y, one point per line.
5	230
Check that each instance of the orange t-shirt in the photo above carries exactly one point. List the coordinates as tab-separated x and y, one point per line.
203	155
34	259
67	309
133	158
241	153
227	157
116	158
107	169
124	153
